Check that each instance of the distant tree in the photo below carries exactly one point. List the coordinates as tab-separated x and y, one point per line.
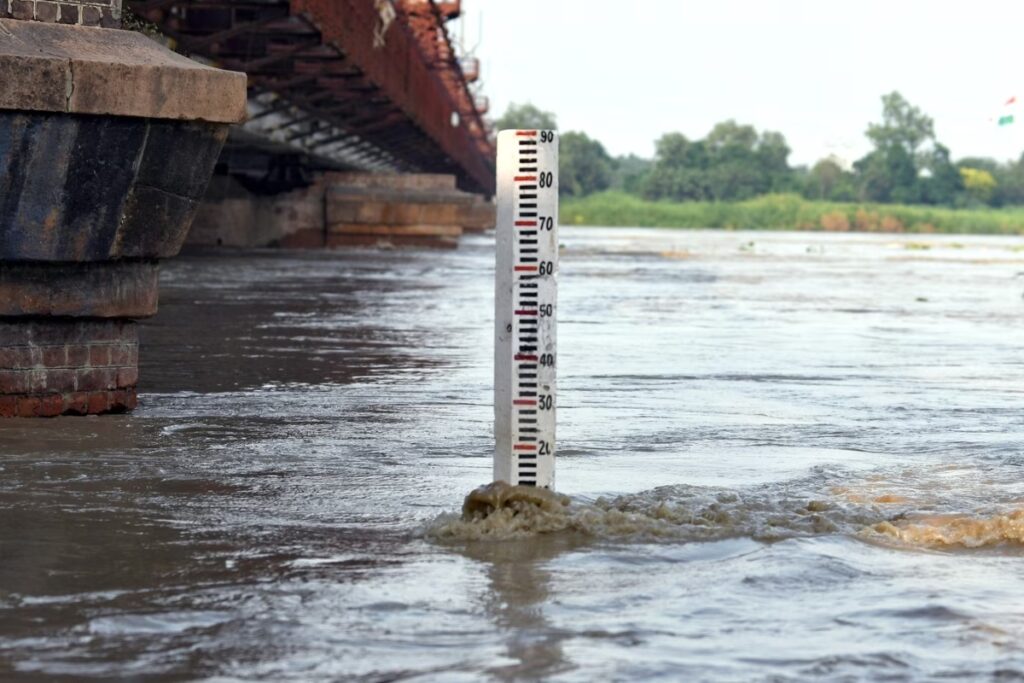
828	180
888	175
979	184
943	183
733	171
584	165
1011	183
1009	179
679	171
773	160
730	141
674	150
903	125
525	116
630	172
899	169
982	163
732	162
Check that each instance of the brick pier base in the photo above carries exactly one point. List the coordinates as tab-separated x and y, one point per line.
78	366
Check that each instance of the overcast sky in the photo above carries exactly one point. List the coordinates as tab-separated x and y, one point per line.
627	71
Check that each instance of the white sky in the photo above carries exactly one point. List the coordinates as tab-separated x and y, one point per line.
626	71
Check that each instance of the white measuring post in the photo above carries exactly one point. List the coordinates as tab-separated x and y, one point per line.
525	301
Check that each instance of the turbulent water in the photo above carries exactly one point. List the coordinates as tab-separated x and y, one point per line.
782	456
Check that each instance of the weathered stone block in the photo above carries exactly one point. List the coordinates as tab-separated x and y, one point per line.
55	356
68	14
99	355
46	90
46	11
23	9
119	73
126	289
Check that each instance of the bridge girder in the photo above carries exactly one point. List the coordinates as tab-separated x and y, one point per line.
386	92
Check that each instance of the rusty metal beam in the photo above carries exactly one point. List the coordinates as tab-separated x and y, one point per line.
401	71
393	102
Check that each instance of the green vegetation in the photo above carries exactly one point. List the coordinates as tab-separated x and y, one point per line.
786	212
739	177
525	116
585	165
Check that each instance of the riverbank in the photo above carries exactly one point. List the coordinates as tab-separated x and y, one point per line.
787	212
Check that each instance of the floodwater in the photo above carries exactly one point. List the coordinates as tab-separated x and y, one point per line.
789	456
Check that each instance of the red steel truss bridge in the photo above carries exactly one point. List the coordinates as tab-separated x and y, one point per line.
371	85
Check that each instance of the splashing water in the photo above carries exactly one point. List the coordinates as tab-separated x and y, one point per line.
498	511
866	509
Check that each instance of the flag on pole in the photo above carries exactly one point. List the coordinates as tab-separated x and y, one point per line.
1008	113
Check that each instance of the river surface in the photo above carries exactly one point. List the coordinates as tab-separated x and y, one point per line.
790	456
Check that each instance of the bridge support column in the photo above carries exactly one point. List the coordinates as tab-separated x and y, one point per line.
367	209
343	210
107	141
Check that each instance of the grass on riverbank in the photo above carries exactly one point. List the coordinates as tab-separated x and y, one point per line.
787	212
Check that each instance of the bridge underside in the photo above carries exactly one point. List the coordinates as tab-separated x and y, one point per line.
339	85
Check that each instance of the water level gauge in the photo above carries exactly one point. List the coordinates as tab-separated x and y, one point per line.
525	302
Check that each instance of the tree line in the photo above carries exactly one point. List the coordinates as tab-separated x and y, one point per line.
906	165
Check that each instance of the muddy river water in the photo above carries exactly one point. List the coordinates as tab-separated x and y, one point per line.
789	456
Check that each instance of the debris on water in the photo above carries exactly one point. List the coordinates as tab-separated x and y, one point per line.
951	531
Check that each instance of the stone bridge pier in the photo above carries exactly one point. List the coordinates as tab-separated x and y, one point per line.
107	143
